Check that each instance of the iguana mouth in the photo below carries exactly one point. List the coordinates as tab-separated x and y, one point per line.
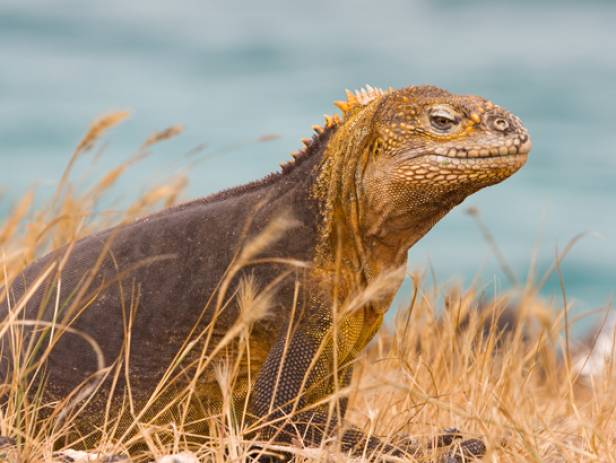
509	147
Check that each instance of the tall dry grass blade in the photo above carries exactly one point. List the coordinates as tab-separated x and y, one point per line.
166	134
16	217
97	129
487	235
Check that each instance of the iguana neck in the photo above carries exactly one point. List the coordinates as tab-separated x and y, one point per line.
347	257
359	238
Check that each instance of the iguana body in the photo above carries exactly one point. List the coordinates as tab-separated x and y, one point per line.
361	193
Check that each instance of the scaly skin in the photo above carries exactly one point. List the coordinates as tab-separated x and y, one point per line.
365	188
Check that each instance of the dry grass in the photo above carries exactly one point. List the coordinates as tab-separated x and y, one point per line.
435	366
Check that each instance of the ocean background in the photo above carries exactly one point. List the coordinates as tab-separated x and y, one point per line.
232	71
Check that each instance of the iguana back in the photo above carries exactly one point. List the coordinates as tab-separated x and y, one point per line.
165	269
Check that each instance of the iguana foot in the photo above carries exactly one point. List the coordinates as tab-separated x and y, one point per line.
311	430
448	436
461	450
465	451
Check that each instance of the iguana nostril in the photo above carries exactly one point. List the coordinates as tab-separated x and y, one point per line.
500	124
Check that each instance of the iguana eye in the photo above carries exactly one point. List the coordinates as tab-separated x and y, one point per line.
443	120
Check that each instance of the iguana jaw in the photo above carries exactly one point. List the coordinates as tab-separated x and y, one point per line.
428	186
434	179
455	167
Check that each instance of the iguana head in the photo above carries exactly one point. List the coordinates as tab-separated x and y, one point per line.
429	149
399	160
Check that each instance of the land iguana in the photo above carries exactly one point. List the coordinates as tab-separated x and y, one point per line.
366	187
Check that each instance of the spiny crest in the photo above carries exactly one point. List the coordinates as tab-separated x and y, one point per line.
355	100
359	98
310	144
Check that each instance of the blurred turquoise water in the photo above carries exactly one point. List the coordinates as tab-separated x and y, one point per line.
232	71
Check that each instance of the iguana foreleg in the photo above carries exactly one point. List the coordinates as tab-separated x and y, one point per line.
300	372
295	392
